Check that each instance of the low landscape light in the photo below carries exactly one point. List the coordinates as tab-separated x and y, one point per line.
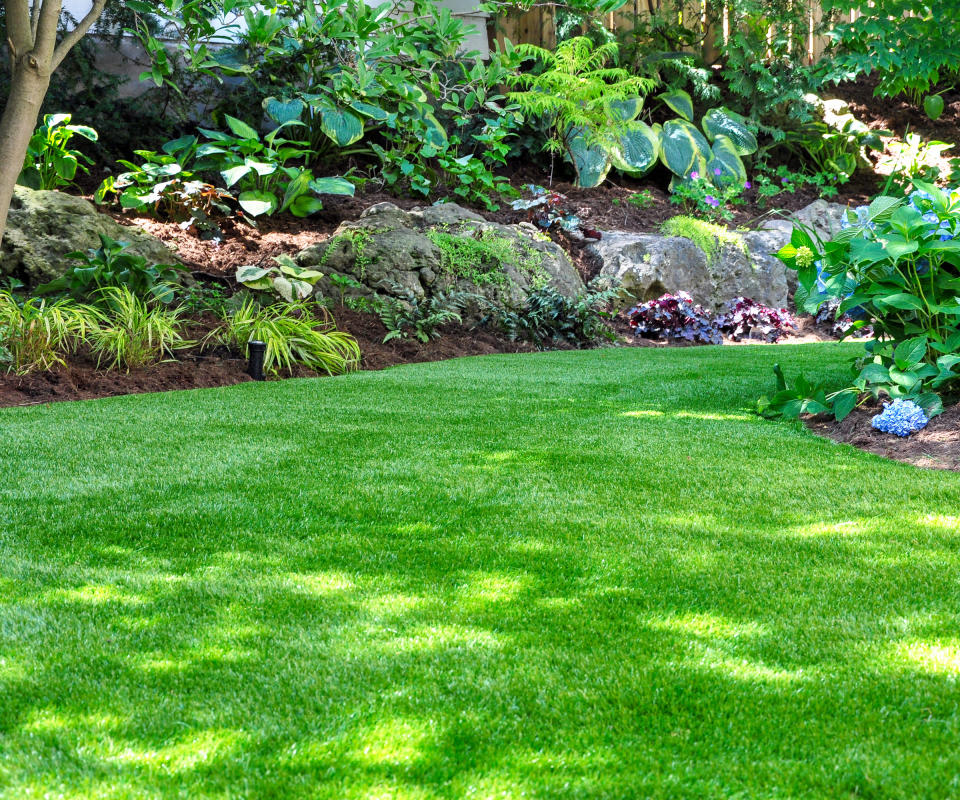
257	351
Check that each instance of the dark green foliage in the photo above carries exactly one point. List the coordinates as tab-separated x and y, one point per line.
420	318
111	265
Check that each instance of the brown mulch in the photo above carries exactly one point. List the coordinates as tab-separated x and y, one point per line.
80	379
937	446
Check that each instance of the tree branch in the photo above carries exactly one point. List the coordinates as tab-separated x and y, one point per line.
19	34
46	37
74	36
35	17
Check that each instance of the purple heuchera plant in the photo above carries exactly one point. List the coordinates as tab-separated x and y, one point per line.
901	417
747	319
674	316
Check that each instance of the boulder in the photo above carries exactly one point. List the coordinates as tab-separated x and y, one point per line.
439	249
43	226
648	265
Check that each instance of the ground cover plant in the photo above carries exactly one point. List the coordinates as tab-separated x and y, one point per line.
552	575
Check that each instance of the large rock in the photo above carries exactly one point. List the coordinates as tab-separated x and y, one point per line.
392	252
44	226
744	263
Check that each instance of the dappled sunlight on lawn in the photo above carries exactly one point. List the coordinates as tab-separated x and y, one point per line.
477	602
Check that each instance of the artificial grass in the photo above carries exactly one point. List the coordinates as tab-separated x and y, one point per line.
568	575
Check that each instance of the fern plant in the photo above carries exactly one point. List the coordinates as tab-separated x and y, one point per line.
412	316
592	105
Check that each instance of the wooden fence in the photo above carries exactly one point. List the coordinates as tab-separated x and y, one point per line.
538	26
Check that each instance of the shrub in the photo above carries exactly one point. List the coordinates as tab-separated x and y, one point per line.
896	264
129	334
287	279
293	335
35	333
675	316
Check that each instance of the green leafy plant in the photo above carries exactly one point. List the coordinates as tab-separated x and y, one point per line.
549	317
343	283
711	200
592	108
36	333
129	333
50	163
289	280
480	255
112	265
772	182
293	333
896	265
261	170
164	185
716	153
916	161
409	315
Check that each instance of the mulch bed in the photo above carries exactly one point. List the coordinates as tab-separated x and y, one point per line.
80	379
937	446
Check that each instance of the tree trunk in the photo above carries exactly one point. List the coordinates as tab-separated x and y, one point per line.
28	86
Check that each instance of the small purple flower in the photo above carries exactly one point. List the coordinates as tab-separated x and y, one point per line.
783	180
694	175
717	171
710	200
748	185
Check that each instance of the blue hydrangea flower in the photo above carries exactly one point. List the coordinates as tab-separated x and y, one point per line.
901	417
931	217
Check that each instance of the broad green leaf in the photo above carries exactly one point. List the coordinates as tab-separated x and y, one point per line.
724	122
590	163
249	272
931	404
285	288
626	110
875	373
339	186
234	174
436	134
637	151
933	106
342	127
240	128
366	109
683	149
901	301
305	205
882	207
256	203
726	159
910	352
281	111
679	101
843	404
86	132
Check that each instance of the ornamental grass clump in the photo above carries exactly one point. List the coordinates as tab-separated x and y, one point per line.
901	417
675	316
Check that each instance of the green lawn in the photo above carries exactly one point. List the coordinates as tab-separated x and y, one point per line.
566	575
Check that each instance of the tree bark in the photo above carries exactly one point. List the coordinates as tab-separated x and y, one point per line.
28	87
32	38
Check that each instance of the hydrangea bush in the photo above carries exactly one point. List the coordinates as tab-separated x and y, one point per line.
895	265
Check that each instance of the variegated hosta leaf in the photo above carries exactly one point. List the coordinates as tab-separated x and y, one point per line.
342	127
592	163
626	110
726	159
683	149
637	150
678	101
724	122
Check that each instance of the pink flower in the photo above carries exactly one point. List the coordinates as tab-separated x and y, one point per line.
748	185
694	175
717	171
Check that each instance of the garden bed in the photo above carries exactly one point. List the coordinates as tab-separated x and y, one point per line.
81	379
937	446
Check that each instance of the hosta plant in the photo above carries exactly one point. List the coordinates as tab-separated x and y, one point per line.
112	264
675	316
896	266
289	280
50	162
265	172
